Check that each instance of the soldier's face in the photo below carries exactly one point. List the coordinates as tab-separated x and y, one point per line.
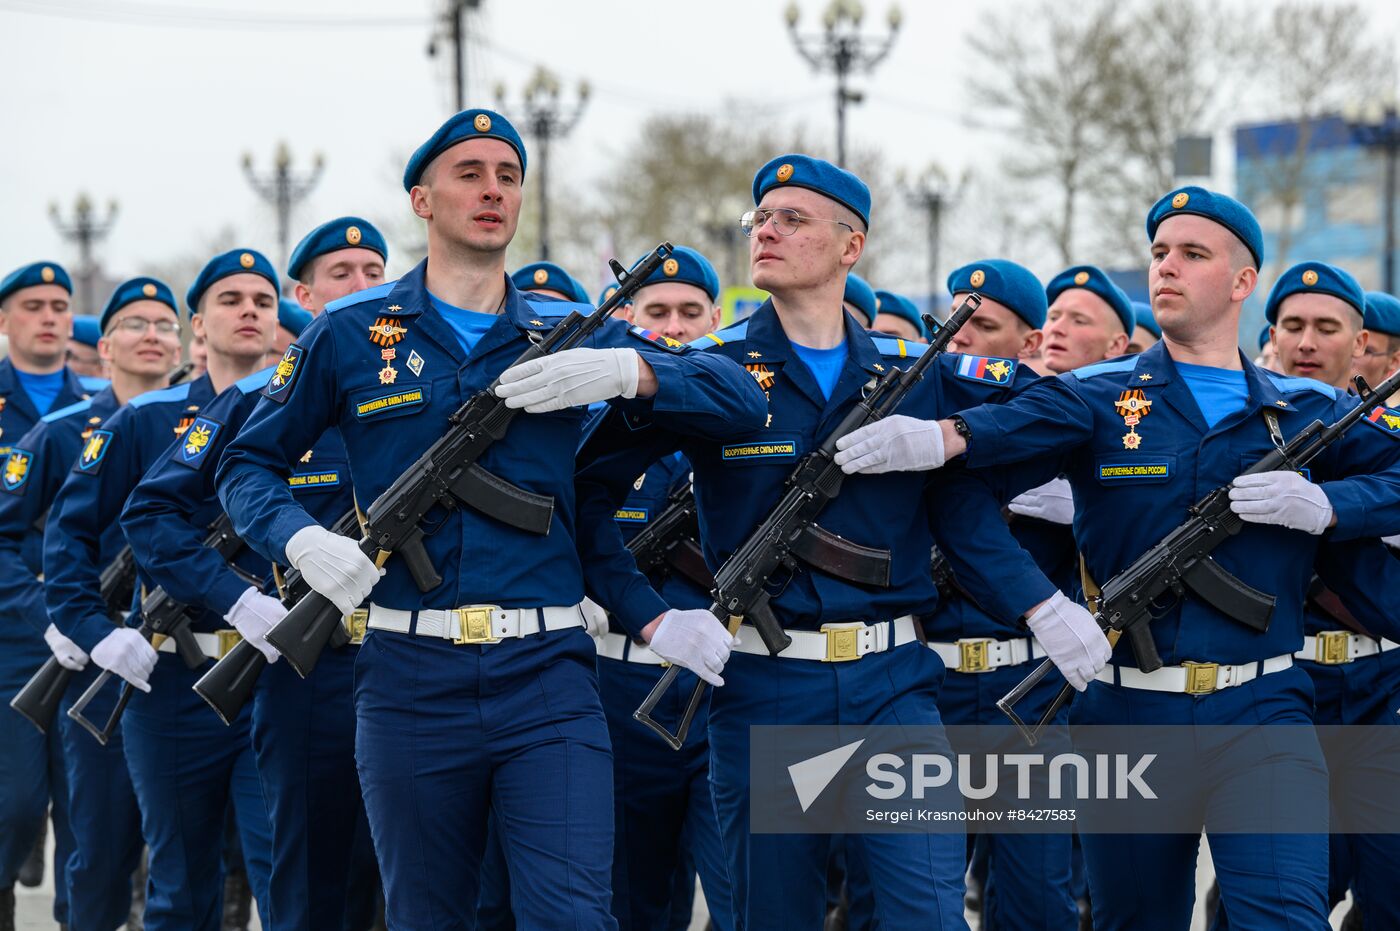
1080	329
238	316
816	254
38	320
145	354
1191	276
83	359
995	330
1382	356
895	325
1319	336
336	274
471	195
672	308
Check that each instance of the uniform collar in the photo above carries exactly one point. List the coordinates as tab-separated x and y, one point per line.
765	342
409	298
10	387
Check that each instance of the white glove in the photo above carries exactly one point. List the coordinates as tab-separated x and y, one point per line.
1392	541
1052	501
125	653
68	653
1284	498
695	640
595	619
892	444
254	614
569	378
333	565
1071	638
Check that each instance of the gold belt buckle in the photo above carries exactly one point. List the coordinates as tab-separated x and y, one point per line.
974	655
1332	647
1200	677
356	623
474	624
228	639
842	643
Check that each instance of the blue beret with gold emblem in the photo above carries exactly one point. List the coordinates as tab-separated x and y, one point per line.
1264	336
887	302
687	266
861	296
1006	283
606	293
86	330
332	236
814	174
137	289
232	262
1218	208
1382	313
546	276
292	317
1094	281
469	124
36	273
1315	278
1142	313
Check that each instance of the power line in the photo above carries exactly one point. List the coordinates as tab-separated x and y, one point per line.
181	17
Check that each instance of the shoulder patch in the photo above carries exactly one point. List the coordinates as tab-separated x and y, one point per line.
378	292
279	386
256	381
728	334
198	439
1112	366
68	411
174	393
1386	419
94	451
899	348
1290	385
665	342
15	475
983	368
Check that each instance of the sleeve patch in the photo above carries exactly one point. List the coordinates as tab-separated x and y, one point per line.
1386	419
981	368
279	386
15	475
657	339
198	440
94	451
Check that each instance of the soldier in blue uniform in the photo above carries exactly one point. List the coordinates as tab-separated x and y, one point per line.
1146	333
813	360
1089	319
997	330
549	279
185	766
506	718
36	316
897	316
1382	324
1141	439
141	345
82	356
302	729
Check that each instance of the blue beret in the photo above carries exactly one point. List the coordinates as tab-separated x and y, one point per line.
1096	282
1142	312
1382	313
86	330
332	236
606	293
861	296
688	267
292	317
814	175
541	276
1228	212
233	262
1264	336
887	302
27	276
138	289
469	124
1315	277
1006	283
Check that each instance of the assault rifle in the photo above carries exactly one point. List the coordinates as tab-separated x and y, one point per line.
668	544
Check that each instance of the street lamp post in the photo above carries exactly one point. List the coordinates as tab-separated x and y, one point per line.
86	230
283	189
842	49
930	193
1377	127
546	117
454	22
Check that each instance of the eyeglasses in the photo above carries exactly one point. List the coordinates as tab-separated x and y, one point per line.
137	326
785	220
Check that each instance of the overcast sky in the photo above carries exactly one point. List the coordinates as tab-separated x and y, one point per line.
153	102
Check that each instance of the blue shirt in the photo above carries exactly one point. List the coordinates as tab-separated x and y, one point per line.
825	365
469	325
42	389
1218	392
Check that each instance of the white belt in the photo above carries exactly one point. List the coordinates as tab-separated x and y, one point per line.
1331	647
476	623
981	654
621	648
213	644
835	643
1193	678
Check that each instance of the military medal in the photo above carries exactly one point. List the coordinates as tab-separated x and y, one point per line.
385	332
388	373
1132	405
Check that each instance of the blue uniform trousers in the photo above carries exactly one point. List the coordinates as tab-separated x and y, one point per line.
445	733
303	733
102	808
1148	881
186	766
662	796
779	880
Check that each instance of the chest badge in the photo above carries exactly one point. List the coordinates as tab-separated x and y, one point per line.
762	374
1132	405
637	485
415	363
386	332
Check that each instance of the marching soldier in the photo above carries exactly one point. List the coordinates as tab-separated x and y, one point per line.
549	279
1382	325
1011	330
1089	319
83	357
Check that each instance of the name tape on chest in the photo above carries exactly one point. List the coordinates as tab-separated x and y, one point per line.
399	400
784	449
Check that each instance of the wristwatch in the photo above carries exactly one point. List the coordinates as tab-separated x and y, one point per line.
962	428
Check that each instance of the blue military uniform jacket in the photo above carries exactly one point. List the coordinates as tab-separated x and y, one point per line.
738	482
30	477
92	497
167	514
18	414
1129	494
334	377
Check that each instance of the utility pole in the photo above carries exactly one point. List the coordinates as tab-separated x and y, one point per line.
546	117
86	230
283	189
453	29
930	193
